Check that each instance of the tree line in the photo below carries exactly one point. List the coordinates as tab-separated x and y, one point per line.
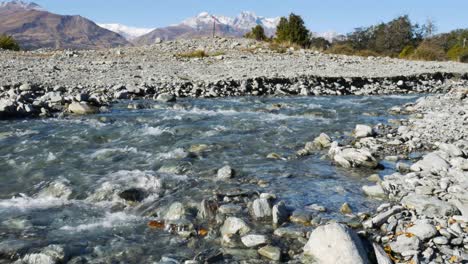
399	37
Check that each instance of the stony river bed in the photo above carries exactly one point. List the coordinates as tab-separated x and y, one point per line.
104	188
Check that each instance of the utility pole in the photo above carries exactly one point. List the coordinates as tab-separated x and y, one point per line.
214	26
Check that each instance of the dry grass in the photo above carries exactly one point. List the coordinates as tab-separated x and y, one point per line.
199	54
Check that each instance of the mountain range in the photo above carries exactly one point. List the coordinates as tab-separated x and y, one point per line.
202	25
35	27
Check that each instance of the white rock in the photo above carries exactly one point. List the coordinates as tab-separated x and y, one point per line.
234	225
423	231
225	173
363	131
254	240
335	243
261	208
82	108
176	211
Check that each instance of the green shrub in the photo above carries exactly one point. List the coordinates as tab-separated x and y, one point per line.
9	43
344	49
406	52
257	33
458	53
429	52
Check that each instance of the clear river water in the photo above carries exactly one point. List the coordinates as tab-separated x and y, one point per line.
60	178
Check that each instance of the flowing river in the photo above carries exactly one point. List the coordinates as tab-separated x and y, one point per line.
61	178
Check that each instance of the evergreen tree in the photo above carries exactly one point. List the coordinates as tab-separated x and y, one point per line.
292	30
257	33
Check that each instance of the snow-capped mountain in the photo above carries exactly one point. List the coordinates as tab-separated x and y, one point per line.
202	25
328	35
125	31
245	21
17	4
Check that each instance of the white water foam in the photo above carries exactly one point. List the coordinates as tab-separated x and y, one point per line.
110	220
24	203
155	131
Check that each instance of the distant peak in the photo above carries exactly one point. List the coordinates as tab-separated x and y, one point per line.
18	4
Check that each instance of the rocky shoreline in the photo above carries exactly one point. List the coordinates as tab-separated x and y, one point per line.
45	83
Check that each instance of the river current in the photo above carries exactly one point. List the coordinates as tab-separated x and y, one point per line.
60	178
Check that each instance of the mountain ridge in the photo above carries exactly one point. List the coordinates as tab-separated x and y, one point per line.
34	28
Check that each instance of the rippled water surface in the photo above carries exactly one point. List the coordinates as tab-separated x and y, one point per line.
60	178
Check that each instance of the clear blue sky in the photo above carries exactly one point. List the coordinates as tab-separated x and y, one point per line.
338	15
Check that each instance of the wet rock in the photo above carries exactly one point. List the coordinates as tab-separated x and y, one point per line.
261	209
175	212
270	252
363	131
428	205
346	209
230	209
290	232
323	141
166	98
133	195
57	189
335	243
82	108
280	213
208	209
301	217
351	157
254	240
423	231
49	255
234	225
225	173
375	191
405	243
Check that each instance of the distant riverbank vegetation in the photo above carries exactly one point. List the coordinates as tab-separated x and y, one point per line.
398	38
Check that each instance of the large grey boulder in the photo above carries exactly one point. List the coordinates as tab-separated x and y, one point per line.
429	162
423	231
351	157
451	150
405	243
335	243
82	108
375	191
428	205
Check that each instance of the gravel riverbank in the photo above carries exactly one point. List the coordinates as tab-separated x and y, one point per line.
45	83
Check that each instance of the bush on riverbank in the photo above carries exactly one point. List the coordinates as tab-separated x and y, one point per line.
8	43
